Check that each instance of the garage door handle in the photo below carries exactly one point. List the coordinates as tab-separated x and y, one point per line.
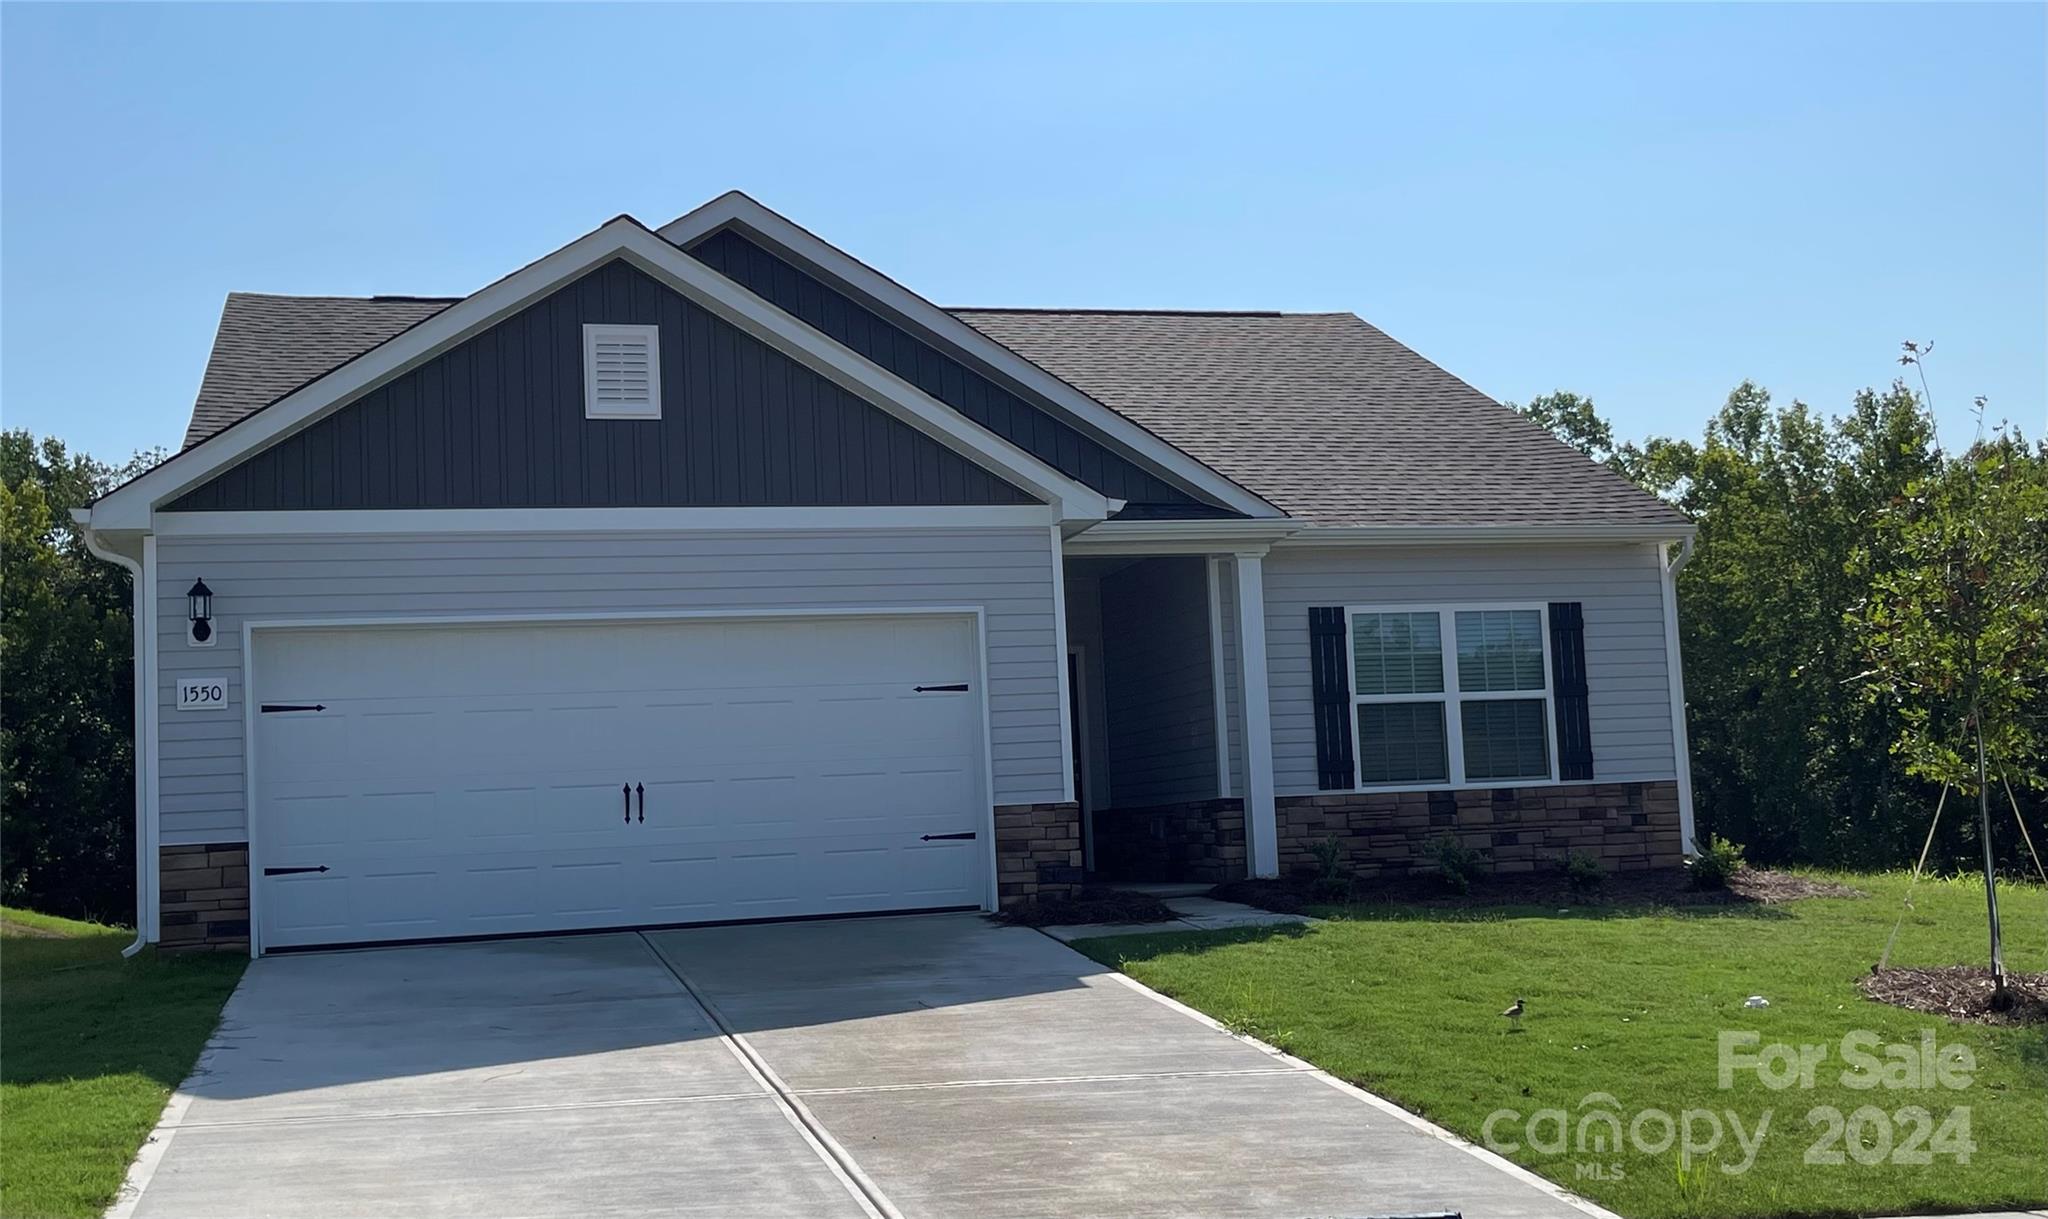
626	790
944	837
292	871
641	791
959	687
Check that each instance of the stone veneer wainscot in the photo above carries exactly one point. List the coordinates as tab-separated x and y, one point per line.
205	896
1626	826
1038	851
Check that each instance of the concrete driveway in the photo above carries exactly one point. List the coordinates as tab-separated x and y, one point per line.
925	1066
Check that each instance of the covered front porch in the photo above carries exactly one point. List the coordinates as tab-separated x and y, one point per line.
1161	696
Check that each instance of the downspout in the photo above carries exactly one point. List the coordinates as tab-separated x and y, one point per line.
1681	739
134	566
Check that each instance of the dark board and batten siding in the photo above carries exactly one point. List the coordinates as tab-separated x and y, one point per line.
928	366
497	422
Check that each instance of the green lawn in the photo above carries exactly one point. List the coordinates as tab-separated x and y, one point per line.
1405	1002
90	1048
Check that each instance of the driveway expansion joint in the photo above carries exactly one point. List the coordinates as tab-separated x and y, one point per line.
837	1158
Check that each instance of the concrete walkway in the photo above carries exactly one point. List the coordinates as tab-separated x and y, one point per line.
1192	910
927	1066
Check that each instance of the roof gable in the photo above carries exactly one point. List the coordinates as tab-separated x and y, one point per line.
129	506
498	421
933	367
901	307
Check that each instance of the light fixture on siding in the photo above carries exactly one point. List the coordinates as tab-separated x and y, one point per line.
199	602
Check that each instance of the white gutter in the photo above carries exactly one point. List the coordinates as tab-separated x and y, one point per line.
1436	535
1201	536
1675	668
141	590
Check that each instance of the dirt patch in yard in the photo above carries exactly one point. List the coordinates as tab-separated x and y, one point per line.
1764	885
1960	992
1548	887
1089	906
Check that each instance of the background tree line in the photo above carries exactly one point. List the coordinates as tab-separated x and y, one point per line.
1806	745
67	712
1806	538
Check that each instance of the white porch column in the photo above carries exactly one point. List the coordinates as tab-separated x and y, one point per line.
1261	827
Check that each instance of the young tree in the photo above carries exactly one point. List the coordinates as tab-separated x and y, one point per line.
1956	629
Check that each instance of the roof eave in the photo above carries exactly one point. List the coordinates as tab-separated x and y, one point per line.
1484	535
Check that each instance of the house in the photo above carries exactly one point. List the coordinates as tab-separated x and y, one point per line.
706	573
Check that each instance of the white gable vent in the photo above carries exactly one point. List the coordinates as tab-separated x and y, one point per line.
621	372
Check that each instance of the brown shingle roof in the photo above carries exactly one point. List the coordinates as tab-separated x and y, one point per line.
268	346
1319	413
1324	416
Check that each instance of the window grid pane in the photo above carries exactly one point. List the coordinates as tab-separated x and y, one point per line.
1504	739
1500	650
1402	743
1398	653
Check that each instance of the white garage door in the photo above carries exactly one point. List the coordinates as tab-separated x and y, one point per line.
415	783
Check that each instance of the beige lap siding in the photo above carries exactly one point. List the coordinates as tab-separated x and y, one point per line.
1620	588
1005	571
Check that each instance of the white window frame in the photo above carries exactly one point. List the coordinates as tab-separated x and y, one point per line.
593	334
1451	697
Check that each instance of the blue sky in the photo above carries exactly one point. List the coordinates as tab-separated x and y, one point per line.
1645	203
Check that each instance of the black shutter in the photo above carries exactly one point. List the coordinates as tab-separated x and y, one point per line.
1330	667
1568	690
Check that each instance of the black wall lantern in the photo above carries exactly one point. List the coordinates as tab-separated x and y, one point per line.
200	601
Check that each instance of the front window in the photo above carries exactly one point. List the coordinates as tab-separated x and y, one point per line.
1477	712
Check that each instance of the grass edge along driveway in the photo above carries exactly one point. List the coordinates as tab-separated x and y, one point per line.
91	1046
1629	1004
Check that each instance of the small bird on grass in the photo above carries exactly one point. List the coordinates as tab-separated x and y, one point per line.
1514	1015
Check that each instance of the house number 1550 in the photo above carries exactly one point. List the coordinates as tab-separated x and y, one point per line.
202	693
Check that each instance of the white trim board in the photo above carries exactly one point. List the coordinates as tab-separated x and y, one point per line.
130	506
1219	695
1674	669
1066	693
734	207
250	699
1255	693
594	520
152	755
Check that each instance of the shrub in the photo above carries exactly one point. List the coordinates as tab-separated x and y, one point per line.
1711	868
1333	878
1456	862
1582	873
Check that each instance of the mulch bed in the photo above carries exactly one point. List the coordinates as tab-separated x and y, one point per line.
1090	906
1960	992
1544	887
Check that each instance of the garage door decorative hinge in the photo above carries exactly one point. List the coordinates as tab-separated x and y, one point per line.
944	837
292	871
955	688
270	707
